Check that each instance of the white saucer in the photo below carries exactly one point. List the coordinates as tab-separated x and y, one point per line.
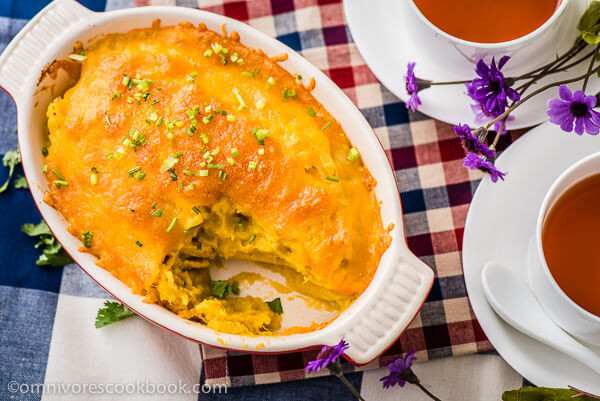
387	46
500	222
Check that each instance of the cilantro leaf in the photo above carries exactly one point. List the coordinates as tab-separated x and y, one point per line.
275	306
34	230
11	159
52	252
111	313
21	182
219	288
235	288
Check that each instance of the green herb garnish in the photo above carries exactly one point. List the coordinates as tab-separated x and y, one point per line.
275	306
21	182
86	238
11	159
52	252
112	313
222	288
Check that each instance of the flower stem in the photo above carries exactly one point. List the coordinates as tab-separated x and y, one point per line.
585	81
497	137
349	385
537	91
450	82
423	389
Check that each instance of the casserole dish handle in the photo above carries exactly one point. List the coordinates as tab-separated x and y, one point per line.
390	311
18	61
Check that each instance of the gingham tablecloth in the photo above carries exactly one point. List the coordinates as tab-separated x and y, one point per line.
46	314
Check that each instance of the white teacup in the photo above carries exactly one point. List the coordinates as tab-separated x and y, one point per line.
535	49
572	318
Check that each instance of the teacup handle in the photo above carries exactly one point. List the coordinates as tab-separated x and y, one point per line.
17	62
389	312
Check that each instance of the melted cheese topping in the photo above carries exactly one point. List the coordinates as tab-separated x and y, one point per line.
292	212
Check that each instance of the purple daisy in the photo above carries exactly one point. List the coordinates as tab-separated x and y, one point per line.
574	109
399	371
471	142
491	91
474	162
413	86
327	356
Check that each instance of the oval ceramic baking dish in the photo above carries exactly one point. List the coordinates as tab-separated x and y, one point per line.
369	325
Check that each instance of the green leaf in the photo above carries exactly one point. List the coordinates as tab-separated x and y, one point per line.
275	306
21	182
11	159
590	17
542	394
52	252
219	288
235	288
36	230
590	38
111	313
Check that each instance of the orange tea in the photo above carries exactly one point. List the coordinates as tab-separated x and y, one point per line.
570	238
487	21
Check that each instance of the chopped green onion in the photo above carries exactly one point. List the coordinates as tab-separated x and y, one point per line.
261	104
44	168
248	74
107	119
134	170
152	103
156	213
203	173
216	166
353	154
261	151
240	225
231	118
177	155
230	161
140	175
45	151
159	122
86	238
208	53
270	82
332	178
191	130
189	79
130	100
138	243
172	225
242	105
235	152
93	179
194	74
94	170
115	95
77	57
204	137
260	135
60	183
216	151
222	176
146	96
311	112
289	93
180	186
190	187
252	165
251	239
208	118
59	175
153	116
327	125
188	172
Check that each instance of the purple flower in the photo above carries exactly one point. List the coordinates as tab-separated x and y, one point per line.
471	142
475	162
491	91
399	371
574	109
413	86
327	356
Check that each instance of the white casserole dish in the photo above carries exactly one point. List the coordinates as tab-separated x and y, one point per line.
402	281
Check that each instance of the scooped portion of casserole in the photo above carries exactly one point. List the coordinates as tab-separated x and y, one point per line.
178	146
